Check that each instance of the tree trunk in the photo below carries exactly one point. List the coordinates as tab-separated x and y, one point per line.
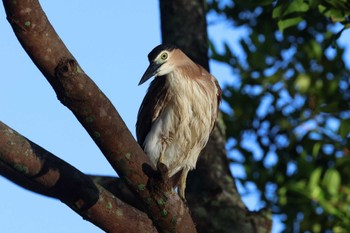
212	196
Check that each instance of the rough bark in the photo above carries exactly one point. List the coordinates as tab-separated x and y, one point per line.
212	196
119	189
96	114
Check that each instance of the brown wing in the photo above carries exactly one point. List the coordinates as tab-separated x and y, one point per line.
213	84
151	107
219	93
218	99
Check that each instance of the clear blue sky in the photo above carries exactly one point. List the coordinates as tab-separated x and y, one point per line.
111	42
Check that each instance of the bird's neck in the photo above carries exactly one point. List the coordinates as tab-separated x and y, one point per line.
177	80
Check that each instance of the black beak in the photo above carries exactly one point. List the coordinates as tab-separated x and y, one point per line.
150	72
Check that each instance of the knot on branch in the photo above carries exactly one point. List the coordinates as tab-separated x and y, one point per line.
74	85
68	68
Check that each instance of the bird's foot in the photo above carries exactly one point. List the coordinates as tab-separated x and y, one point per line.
158	181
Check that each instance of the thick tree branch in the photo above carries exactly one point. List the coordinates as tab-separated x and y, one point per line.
94	111
36	169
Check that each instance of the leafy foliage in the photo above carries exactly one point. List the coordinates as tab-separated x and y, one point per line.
291	104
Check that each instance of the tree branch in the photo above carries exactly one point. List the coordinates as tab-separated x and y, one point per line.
36	169
94	111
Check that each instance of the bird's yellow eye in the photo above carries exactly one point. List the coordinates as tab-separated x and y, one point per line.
164	56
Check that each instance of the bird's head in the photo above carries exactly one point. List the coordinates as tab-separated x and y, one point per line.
160	62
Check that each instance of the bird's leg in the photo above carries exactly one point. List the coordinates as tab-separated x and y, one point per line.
164	140
161	156
162	168
182	183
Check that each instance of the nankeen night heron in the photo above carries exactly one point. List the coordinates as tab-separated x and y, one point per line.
178	112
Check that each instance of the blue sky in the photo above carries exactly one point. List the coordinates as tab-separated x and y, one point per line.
111	42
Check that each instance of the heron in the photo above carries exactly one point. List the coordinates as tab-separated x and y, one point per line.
178	112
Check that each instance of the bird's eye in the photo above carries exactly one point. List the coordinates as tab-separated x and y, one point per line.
164	56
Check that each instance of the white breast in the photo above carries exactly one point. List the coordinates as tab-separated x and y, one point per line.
183	127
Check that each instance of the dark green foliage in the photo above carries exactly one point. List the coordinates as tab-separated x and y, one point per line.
292	101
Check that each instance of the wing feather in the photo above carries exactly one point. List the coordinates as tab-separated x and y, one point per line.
151	107
218	99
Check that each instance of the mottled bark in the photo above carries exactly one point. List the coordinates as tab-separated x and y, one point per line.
119	189
212	196
96	114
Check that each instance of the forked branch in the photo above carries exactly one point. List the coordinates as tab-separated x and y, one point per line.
36	169
94	111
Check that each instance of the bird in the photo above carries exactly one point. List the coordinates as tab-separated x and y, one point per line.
178	112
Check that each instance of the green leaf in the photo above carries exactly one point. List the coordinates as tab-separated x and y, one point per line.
313	50
297	6
339	229
344	128
331	181
302	83
314	3
335	14
346	26
292	7
316	193
315	178
339	4
329	208
316	149
316	227
277	12
286	23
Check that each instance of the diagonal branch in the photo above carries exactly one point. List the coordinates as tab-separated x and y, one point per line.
94	111
36	169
